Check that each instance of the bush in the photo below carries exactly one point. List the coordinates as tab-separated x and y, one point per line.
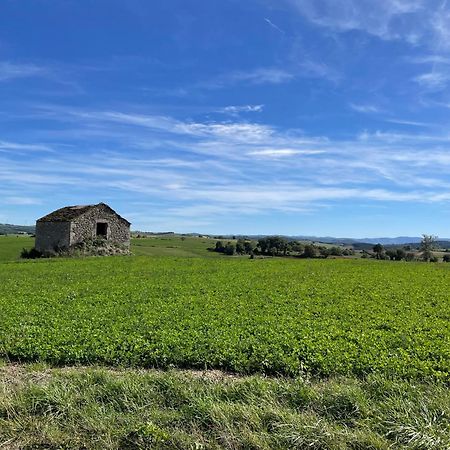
310	251
230	249
446	258
410	256
30	254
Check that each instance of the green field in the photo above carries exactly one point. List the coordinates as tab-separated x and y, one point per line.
271	353
276	316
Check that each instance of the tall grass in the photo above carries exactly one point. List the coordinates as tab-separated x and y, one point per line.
110	409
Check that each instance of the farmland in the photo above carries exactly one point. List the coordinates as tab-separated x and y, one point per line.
277	316
255	353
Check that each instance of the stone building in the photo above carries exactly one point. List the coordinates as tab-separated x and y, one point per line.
72	225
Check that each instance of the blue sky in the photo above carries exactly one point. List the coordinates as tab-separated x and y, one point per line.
319	117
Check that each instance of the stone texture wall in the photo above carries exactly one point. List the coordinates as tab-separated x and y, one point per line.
85	227
51	236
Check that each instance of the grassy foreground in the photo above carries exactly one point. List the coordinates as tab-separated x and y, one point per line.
89	408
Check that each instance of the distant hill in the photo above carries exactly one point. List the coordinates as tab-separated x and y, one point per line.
6	228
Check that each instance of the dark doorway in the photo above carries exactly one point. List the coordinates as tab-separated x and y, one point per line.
102	229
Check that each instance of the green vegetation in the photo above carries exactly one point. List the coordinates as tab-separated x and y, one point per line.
11	247
277	316
91	408
172	246
280	246
318	354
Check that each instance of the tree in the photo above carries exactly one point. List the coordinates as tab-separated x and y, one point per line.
400	254
297	247
446	258
249	247
310	251
229	249
391	254
410	256
219	247
240	247
378	249
427	245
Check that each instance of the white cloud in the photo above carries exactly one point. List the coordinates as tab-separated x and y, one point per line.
258	76
435	81
365	108
236	110
283	152
9	71
14	146
21	201
374	18
275	27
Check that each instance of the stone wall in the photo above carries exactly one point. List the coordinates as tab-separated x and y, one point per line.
85	227
51	236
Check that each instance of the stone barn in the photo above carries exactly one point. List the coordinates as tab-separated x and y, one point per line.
72	225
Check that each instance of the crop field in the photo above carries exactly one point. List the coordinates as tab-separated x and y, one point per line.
272	316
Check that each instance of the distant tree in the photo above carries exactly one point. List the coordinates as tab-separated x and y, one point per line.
378	249
336	251
410	256
220	248
273	245
400	254
297	247
249	247
229	249
240	247
427	245
391	254
446	258
310	251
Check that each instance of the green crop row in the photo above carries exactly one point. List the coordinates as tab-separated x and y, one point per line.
279	316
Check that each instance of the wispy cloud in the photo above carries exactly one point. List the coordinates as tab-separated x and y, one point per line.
362	15
21	201
282	152
207	166
412	123
236	110
366	108
14	146
10	71
258	76
434	81
275	27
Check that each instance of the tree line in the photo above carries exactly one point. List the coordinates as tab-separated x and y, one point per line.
426	248
279	246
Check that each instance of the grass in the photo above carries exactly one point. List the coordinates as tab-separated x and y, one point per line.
276	316
320	354
75	408
173	246
11	246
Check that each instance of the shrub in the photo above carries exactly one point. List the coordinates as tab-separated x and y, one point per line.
30	254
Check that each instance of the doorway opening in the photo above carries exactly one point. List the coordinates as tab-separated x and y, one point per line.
102	229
